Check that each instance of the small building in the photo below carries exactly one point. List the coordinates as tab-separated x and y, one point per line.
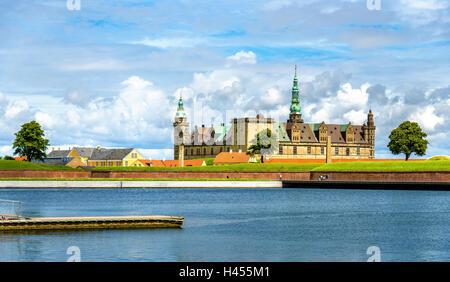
75	163
102	157
83	153
231	158
93	157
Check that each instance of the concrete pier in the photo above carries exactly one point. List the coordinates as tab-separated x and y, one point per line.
105	222
138	184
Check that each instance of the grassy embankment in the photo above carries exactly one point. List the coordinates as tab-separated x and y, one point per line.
429	165
23	165
233	167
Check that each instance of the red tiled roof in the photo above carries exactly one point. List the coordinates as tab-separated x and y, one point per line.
295	161
20	158
171	163
231	158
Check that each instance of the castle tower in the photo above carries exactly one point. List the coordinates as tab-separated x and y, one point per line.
295	116
181	129
369	133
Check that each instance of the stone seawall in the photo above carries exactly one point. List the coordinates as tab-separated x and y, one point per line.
384	176
348	176
44	174
211	174
155	174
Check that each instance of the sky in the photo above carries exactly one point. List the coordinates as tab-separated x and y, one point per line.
110	72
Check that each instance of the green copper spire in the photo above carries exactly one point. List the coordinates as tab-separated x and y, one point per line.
180	111
295	102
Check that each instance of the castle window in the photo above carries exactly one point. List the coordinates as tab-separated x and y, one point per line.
280	150
204	151
336	151
309	150
198	151
322	150
295	150
212	151
358	151
347	151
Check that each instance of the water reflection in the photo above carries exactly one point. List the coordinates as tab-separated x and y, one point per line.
240	225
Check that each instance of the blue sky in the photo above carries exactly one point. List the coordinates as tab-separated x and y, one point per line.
110	73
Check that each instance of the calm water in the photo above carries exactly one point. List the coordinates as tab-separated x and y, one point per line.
241	225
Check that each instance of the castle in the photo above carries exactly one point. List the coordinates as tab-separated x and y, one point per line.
295	138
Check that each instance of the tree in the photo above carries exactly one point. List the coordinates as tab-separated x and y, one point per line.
408	138
30	142
266	143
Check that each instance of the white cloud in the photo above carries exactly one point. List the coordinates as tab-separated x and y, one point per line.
6	150
329	10
16	109
422	12
356	117
272	97
105	65
427	118
424	4
276	4
243	57
214	81
171	42
348	96
45	120
157	154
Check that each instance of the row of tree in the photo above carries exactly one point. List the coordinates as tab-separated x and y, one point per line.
407	138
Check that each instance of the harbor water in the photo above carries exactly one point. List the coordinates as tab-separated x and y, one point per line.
239	225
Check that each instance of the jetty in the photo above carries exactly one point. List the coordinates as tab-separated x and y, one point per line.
19	223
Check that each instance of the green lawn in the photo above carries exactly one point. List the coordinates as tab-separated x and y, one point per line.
23	165
436	165
439	158
440	165
233	167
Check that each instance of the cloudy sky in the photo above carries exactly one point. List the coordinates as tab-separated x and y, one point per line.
110	73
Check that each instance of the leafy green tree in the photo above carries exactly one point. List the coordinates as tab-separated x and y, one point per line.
30	142
408	138
266	144
8	158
